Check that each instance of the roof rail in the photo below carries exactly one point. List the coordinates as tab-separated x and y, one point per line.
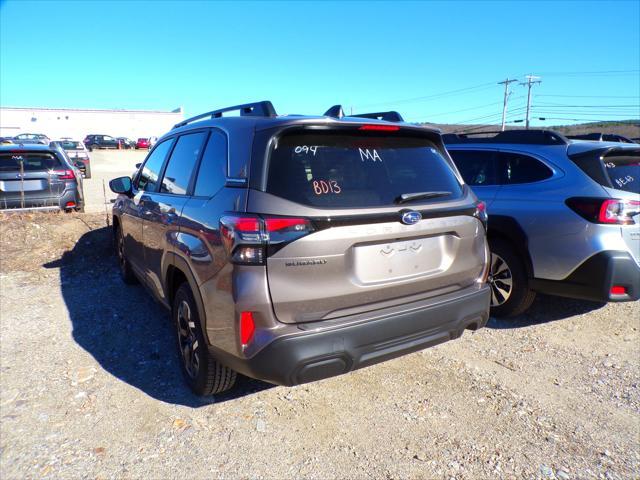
256	109
391	116
601	137
532	137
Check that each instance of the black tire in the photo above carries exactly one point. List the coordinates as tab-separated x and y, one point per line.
510	293
202	372
126	272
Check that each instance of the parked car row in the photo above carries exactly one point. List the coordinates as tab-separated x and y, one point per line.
96	141
295	248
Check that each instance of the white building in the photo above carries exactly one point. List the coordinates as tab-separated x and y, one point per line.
76	123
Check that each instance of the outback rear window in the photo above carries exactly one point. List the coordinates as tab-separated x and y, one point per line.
71	145
10	162
364	169
623	169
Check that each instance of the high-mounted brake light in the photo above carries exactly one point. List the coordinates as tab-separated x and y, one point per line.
380	128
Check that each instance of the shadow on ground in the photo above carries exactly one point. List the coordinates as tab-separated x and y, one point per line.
546	309
123	328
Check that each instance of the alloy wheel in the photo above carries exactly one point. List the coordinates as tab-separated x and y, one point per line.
187	340
500	280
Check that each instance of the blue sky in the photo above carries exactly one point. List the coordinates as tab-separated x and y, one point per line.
307	56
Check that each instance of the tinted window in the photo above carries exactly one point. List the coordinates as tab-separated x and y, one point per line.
623	170
476	166
10	162
516	168
213	168
151	170
330	169
71	145
180	166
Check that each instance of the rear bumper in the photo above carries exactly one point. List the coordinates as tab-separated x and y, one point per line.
318	352
42	203
594	278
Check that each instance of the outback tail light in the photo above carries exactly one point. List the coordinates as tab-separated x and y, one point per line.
64	174
605	210
247	327
248	240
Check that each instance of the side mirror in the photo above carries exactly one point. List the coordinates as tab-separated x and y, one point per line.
121	185
138	165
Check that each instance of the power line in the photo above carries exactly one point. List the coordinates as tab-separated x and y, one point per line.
560	105
476	88
593	73
578	119
591	96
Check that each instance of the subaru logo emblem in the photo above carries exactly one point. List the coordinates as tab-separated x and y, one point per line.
411	218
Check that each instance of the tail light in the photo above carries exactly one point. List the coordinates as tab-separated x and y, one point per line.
249	240
64	174
606	211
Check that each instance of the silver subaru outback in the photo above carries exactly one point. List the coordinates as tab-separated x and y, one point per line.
295	248
565	215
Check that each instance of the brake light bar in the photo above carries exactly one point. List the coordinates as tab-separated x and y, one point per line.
380	128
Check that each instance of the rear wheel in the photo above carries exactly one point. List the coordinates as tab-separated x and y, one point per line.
203	373
126	272
510	293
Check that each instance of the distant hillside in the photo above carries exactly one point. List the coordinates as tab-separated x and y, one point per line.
628	128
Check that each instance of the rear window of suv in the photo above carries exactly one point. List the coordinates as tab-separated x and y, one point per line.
364	169
623	169
32	162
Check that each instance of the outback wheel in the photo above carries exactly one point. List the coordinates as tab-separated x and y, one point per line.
126	272
510	294
204	375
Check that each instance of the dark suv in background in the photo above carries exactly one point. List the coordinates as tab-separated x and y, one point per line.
94	142
295	248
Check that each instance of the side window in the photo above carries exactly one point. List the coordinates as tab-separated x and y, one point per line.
476	166
151	170
181	163
213	168
516	168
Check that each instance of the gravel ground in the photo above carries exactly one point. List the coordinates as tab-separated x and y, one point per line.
91	387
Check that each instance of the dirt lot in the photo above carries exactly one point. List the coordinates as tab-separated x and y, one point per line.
91	388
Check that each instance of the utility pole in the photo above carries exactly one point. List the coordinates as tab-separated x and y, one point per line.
531	81
506	98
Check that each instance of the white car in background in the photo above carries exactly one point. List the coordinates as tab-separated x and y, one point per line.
77	153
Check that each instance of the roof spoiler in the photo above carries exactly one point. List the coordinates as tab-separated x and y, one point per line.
256	109
337	112
531	137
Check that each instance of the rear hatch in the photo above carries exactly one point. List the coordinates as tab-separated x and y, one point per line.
344	236
617	169
31	178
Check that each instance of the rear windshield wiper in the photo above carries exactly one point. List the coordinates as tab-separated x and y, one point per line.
407	197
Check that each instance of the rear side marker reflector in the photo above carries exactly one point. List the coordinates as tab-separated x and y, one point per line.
247	327
618	290
70	204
